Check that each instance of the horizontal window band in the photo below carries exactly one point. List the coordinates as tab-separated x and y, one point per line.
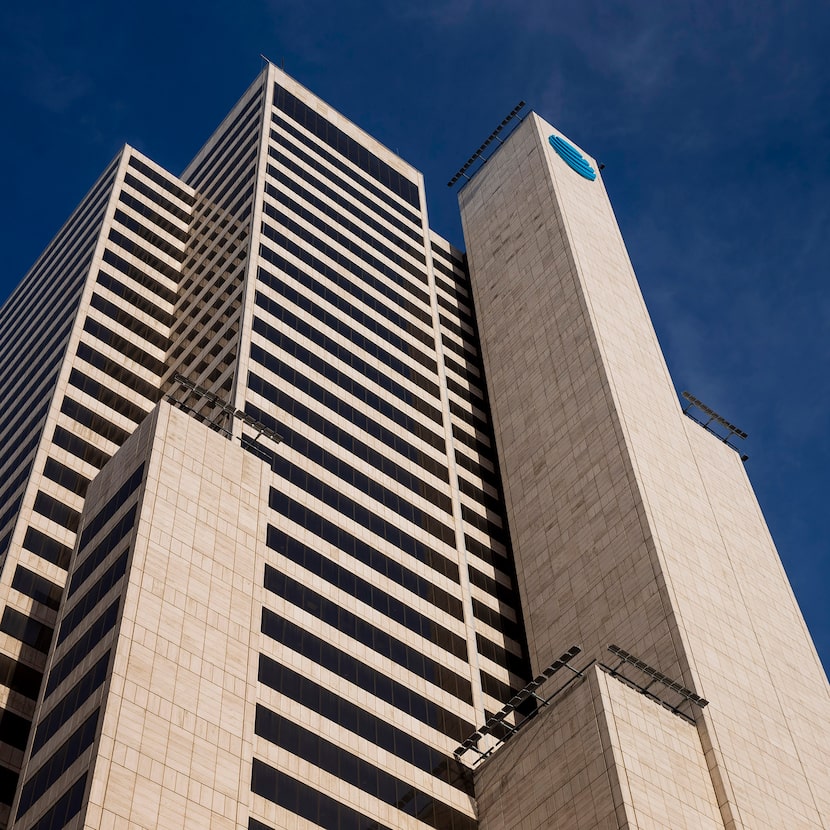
64	809
77	446
481	447
356	228
36	386
154	218
389	263
358	772
143	279
476	468
370	345
369	556
47	548
72	618
369	485
40	589
66	477
94	524
322	177
134	298
345	145
346	355
352	509
285	401
127	347
92	420
363	481
304	801
130	321
60	293
19	677
339	379
50	338
348	582
320	152
56	511
79	229
85	567
146	234
116	371
11	502
70	703
237	174
28	630
345	471
471	371
467	354
103	394
346	260
481	497
220	161
240	123
60	761
14	730
162	181
74	656
17	452
352	718
342	301
376	683
363	632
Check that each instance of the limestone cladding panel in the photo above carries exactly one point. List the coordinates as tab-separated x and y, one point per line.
559	771
662	770
705	528
631	527
602	756
585	557
177	731
773	718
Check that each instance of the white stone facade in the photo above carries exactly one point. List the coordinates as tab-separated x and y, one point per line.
301	285
630	524
267	635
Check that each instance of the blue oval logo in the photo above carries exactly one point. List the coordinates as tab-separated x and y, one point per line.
572	157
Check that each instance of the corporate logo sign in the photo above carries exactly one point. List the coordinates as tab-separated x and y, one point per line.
572	157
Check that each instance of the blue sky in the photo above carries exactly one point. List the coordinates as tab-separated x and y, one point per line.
711	119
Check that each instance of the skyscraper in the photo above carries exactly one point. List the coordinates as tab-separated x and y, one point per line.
289	597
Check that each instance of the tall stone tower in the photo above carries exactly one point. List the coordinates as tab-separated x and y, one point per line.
633	526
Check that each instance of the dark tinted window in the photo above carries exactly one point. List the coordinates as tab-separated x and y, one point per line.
60	761
367	634
27	630
346	146
357	771
37	587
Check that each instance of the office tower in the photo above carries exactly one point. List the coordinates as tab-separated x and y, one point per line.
288	595
631	526
84	340
290	273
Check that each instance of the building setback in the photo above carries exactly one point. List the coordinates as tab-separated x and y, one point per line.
256	568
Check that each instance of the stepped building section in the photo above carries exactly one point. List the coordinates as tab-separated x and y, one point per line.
303	524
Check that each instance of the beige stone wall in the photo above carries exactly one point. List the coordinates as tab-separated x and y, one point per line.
602	756
586	560
771	725
558	772
663	775
631	524
176	740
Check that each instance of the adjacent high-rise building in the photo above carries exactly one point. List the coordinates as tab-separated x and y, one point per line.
304	525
